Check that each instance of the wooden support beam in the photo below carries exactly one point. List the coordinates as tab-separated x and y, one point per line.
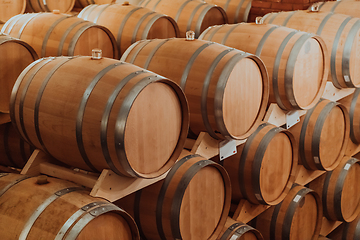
328	226
246	211
305	176
334	94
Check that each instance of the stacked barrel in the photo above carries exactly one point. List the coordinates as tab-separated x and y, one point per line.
182	72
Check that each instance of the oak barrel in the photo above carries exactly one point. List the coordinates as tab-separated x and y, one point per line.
297	217
352	104
341	34
236	10
101	113
189	14
8	9
222	85
192	202
351	7
234	230
54	34
340	190
84	3
58	210
129	23
323	135
297	62
64	6
350	231
14	151
15	56
264	168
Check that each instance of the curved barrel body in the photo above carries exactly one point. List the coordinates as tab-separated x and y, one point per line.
8	9
64	6
236	10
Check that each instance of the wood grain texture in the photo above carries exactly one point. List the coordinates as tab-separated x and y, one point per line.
8	9
84	3
15	56
297	62
264	168
34	211
236	10
234	230
14	151
189	15
323	135
192	202
129	23
298	217
351	8
227	89
61	35
106	114
352	105
341	35
64	6
339	190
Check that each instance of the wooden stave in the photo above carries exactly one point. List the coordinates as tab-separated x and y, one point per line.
76	30
84	3
343	7
285	101
330	186
309	149
3	20
345	53
42	6
219	132
271	230
164	195
14	151
87	208
236	10
234	230
4	106
180	5
124	168
88	14
352	105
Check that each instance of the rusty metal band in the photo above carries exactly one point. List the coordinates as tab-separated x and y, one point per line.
81	112
121	121
39	97
162	193
205	91
48	33
106	116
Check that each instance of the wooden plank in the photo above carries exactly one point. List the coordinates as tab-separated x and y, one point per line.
32	166
305	176
4	118
328	226
114	187
4	169
246	211
334	94
276	116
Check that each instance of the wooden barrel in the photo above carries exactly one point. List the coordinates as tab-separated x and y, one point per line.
63	6
349	231
84	3
236	10
129	23
58	210
15	56
352	104
351	8
341	34
8	9
297	62
264	168
192	202
323	135
101	113
189	15
221	84
234	230
52	34
14	151
298	217
340	190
